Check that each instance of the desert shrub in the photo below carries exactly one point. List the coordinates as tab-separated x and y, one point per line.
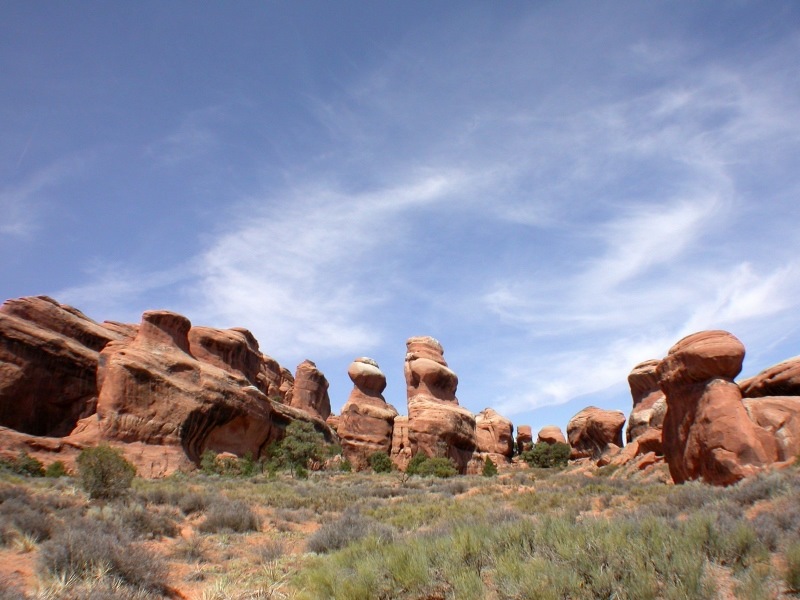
25	517
23	464
547	456
380	462
349	528
144	523
230	515
346	466
84	548
792	573
425	466
489	468
761	487
56	469
270	551
192	548
104	472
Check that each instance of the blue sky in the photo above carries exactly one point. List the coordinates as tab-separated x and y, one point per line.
555	190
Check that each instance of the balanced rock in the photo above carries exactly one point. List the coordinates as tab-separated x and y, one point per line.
437	425
495	435
551	434
366	423
524	438
310	392
593	430
48	363
707	431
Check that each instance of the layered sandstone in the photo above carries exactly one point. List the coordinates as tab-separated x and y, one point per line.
366	422
437	425
707	432
48	362
595	431
649	403
782	379
524	438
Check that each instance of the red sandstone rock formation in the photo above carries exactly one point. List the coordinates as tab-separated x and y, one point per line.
401	445
524	438
48	359
551	434
153	390
310	392
593	430
437	425
707	432
495	435
649	404
365	425
781	380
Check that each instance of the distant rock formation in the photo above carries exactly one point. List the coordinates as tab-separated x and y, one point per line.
594	431
781	380
707	431
366	423
551	434
524	438
437	425
495	435
310	391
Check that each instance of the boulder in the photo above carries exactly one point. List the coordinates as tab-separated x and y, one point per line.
495	435
366	422
437	425
48	361
781	380
707	432
310	391
780	416
649	403
551	434
524	438
593	430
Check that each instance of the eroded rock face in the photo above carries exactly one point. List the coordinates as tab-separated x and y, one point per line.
551	434
707	432
780	416
152	390
401	445
437	425
495	435
593	430
524	438
781	380
310	392
233	350
48	359
649	403
366	423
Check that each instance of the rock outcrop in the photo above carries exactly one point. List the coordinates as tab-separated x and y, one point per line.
48	363
366	423
781	380
401	444
649	403
310	391
437	425
495	435
524	438
707	431
594	431
551	434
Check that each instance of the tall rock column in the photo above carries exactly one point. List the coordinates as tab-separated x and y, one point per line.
707	431
365	425
310	393
437	425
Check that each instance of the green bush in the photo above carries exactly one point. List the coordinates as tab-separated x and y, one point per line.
547	456
104	472
23	464
489	468
380	462
56	469
426	466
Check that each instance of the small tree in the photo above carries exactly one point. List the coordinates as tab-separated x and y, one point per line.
104	472
489	468
436	466
302	444
56	469
380	462
547	456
